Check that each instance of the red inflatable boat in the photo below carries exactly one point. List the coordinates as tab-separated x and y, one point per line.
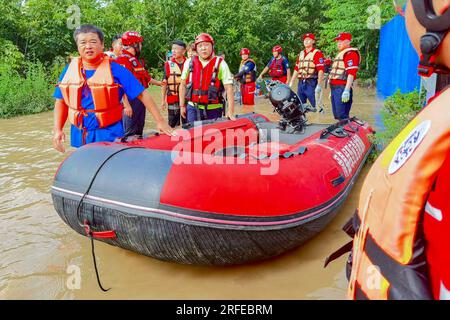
222	192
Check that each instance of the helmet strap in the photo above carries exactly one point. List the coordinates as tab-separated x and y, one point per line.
436	30
429	44
137	50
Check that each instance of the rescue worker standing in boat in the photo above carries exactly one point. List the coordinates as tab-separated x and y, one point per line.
309	69
201	82
89	94
342	75
172	80
278	67
401	247
247	78
134	117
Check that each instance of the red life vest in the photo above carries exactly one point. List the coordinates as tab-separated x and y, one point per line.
137	68
436	226
276	68
205	81
105	93
173	73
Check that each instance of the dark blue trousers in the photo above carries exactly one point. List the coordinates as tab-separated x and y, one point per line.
341	110
192	114
135	124
306	90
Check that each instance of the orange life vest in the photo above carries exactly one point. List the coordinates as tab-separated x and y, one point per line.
173	72
388	249
306	66
105	93
338	71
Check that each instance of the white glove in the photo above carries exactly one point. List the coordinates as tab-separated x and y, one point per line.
318	89
346	96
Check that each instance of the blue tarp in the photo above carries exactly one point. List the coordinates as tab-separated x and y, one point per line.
397	61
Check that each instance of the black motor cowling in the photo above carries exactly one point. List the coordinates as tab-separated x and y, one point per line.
288	105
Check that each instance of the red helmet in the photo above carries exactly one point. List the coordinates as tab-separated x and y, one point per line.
277	49
343	36
309	35
244	51
131	37
203	37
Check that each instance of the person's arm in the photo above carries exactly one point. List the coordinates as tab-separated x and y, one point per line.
226	77
183	87
182	93
230	100
351	61
294	76
319	61
350	80
263	73
59	119
320	78
288	69
164	105
127	107
150	105
155	82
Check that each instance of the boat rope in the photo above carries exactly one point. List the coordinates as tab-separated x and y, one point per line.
92	235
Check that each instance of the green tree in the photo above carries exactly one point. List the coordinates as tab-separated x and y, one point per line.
358	17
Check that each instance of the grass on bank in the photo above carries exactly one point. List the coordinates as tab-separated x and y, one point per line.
398	110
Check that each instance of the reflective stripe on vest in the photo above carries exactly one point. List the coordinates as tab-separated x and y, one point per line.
338	71
202	77
105	93
250	76
173	71
306	66
276	69
391	208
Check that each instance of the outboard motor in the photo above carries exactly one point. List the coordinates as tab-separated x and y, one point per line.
288	105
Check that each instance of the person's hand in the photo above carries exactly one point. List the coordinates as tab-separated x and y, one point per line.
291	83
58	138
329	96
183	111
259	79
318	89
128	111
163	127
164	107
230	115
346	96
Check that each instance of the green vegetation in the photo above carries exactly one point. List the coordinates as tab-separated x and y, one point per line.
24	85
397	112
38	33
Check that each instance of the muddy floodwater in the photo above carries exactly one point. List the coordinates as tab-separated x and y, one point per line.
40	255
